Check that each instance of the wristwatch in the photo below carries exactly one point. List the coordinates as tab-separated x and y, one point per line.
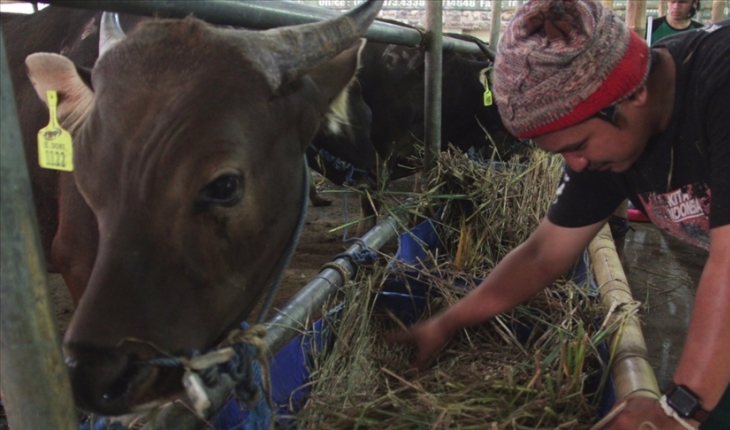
685	402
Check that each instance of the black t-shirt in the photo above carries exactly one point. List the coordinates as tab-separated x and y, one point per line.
681	169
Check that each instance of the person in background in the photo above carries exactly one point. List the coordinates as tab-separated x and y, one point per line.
647	124
678	19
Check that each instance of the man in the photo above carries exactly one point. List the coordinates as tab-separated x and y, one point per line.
651	126
678	19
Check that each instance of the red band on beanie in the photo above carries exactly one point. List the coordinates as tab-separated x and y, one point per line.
623	80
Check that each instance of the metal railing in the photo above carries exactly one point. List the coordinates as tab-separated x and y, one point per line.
262	15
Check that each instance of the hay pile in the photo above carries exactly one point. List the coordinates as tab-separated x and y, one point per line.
532	368
488	208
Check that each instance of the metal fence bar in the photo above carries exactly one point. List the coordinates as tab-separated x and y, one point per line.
261	15
432	87
292	317
36	387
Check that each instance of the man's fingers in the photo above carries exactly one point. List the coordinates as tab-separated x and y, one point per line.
400	336
421	361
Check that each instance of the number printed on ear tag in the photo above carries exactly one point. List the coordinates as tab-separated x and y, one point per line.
55	146
487	96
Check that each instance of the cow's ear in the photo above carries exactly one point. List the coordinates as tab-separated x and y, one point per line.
58	73
334	76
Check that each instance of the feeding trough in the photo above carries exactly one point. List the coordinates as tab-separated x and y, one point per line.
404	296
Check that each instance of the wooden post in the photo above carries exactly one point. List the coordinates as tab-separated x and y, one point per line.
636	16
662	8
718	7
496	23
608	4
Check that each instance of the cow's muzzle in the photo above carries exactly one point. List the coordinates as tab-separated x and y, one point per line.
116	381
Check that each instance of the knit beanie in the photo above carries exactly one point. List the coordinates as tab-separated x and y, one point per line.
561	61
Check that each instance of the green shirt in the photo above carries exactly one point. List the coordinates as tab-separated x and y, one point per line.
661	29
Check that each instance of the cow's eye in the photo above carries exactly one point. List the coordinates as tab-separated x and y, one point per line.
224	190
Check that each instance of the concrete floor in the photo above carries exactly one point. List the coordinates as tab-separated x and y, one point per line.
663	274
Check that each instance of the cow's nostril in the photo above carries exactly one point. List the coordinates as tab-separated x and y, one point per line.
71	363
103	380
121	386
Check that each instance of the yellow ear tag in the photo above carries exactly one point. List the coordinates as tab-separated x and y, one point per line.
487	96
55	147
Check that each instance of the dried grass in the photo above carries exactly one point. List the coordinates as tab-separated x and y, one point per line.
526	369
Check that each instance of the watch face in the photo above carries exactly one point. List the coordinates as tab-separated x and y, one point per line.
683	402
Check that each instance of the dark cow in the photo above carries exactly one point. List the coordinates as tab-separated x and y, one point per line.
188	183
392	81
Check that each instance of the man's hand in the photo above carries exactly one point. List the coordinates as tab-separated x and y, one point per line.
641	413
428	337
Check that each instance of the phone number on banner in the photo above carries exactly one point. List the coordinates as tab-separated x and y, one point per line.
409	4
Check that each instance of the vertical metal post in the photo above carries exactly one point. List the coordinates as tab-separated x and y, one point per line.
496	17
35	386
434	73
649	29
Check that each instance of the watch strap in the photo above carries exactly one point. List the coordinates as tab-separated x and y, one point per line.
700	414
672	413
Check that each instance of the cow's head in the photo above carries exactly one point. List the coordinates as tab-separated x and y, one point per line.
188	149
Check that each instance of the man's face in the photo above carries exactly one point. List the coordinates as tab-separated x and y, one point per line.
679	9
596	144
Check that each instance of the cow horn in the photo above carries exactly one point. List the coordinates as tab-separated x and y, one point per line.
110	32
287	53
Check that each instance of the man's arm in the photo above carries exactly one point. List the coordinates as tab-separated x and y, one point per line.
547	254
705	364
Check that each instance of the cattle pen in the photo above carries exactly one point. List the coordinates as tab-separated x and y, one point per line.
30	347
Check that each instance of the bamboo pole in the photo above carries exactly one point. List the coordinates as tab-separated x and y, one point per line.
662	8
718	7
632	372
636	16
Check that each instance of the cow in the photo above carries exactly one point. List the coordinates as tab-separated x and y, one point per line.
391	82
188	180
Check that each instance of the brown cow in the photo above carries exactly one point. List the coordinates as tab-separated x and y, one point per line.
188	183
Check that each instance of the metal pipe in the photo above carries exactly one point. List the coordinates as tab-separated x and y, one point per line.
289	322
293	317
432	87
261	15
496	23
35	386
